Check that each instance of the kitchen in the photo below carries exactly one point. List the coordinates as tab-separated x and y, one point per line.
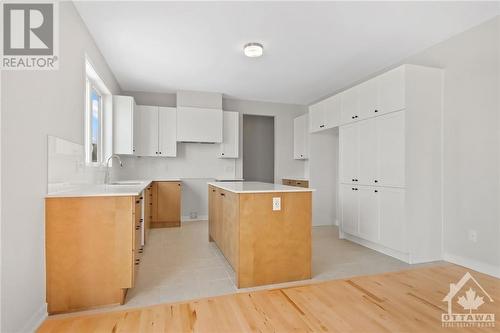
167	178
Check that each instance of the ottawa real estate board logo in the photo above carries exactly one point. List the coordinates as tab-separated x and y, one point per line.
30	36
464	301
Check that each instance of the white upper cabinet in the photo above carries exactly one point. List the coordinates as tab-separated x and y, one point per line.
325	114
392	90
199	124
300	138
368	98
368	152
167	131
350	105
124	121
156	131
230	140
147	130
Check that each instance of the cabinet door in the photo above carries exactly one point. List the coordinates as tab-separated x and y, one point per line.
368	98
391	148
316	117
211	206
367	152
300	138
123	125
169	202
167	137
369	213
349	106
230	139
349	209
349	153
147	130
392	90
332	108
392	221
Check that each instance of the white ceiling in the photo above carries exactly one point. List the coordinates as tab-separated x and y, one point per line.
311	49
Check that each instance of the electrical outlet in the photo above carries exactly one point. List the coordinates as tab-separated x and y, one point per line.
473	235
277	203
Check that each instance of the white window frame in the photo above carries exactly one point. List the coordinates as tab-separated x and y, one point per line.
91	85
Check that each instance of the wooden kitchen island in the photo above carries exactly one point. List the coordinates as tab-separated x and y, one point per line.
264	242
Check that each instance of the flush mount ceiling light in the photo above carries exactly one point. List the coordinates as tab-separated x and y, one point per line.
253	50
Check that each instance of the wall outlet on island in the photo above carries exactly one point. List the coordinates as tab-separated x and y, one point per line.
277	203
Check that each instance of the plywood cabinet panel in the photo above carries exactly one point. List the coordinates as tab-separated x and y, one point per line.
166	204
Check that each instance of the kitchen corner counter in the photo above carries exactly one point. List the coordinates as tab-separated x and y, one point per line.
257	187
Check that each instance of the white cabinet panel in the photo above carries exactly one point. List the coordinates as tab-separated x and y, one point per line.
332	109
368	98
123	125
368	152
350	209
349	105
391	149
392	90
392	218
316	117
199	125
147	130
349	153
369	213
231	134
167	131
300	138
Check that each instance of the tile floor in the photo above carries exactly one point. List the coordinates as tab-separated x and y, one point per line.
180	264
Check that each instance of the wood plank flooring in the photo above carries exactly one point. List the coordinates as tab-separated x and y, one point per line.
405	301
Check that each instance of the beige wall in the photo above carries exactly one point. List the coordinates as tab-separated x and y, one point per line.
36	104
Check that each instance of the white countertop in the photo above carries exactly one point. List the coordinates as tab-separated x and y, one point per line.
125	189
257	187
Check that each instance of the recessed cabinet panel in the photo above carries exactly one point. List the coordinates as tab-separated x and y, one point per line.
368	152
230	140
147	130
300	138
349	153
316	117
199	124
350	209
392	90
123	125
392	219
368	99
332	109
167	135
350	105
391	151
369	213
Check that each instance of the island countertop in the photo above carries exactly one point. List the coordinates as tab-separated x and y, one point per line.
257	187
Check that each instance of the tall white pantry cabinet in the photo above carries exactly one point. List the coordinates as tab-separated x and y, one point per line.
390	163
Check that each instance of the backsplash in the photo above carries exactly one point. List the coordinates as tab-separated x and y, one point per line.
66	166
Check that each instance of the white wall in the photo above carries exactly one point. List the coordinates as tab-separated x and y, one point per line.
198	163
471	143
36	104
322	170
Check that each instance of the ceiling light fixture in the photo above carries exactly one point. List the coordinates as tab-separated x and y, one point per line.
253	50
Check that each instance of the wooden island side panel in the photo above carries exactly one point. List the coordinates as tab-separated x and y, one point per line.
274	246
90	243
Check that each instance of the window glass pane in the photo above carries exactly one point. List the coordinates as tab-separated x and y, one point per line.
95	104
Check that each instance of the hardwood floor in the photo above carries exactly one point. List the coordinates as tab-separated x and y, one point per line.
405	301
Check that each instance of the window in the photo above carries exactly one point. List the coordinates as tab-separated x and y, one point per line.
97	118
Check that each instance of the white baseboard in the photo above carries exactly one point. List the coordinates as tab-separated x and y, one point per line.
36	319
186	218
473	264
377	247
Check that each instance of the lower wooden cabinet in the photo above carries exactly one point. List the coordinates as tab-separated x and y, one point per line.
166	204
295	182
92	247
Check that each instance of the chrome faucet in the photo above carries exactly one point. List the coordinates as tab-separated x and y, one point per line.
106	175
